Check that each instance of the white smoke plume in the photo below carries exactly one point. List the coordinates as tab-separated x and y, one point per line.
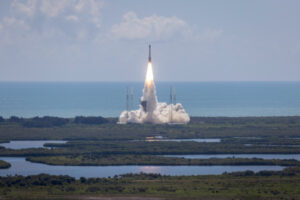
152	111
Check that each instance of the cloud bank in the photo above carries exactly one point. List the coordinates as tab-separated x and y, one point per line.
155	27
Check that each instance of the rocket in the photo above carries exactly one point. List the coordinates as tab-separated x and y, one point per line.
149	58
144	102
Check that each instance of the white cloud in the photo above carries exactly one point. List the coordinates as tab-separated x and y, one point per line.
38	17
159	28
95	7
14	22
79	6
28	8
9	20
89	9
72	18
54	8
155	27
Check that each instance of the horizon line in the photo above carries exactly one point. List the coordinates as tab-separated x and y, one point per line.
220	81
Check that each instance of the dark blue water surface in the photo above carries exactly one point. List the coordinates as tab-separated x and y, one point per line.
108	98
24	144
22	167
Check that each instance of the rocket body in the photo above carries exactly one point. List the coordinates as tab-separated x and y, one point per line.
149	98
149	57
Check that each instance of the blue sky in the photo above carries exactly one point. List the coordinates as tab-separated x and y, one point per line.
107	40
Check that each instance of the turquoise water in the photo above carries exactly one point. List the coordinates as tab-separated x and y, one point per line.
108	98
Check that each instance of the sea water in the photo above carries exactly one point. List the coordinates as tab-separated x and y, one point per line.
108	99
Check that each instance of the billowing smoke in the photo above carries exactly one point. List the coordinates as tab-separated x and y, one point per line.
152	111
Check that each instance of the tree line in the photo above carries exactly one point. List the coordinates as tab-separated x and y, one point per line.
49	121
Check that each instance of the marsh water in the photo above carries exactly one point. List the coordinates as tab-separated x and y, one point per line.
25	144
22	167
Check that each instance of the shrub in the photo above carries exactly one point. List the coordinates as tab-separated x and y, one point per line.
46	121
90	120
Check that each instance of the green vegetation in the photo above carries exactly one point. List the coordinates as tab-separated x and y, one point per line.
41	122
91	159
199	127
90	120
160	148
150	148
241	185
47	121
102	138
4	165
100	141
1	119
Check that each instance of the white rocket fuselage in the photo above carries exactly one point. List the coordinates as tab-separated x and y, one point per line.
149	99
149	57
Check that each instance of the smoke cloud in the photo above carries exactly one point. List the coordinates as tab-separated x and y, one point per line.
152	111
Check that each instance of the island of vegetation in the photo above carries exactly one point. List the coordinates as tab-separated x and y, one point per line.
4	165
116	159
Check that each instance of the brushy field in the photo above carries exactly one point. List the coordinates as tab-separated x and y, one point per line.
240	185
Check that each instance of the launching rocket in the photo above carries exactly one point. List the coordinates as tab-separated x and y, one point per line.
150	110
149	85
149	58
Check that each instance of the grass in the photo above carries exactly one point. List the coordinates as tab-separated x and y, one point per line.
247	185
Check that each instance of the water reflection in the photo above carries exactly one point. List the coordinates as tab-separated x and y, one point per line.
150	169
22	167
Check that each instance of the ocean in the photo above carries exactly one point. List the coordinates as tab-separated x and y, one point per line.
108	99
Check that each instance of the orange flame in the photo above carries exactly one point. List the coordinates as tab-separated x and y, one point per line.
149	75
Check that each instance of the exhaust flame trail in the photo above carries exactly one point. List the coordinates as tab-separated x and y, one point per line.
149	74
152	111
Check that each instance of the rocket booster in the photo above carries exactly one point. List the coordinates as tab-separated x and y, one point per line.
149	58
